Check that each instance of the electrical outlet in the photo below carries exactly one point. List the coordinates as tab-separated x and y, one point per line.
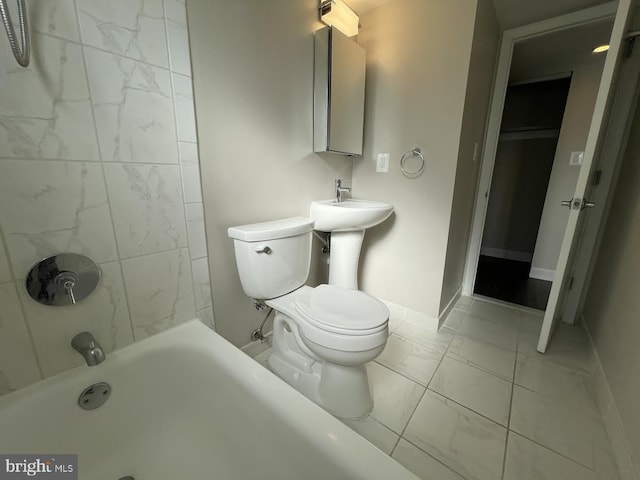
382	165
576	158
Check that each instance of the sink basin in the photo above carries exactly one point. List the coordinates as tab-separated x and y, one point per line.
349	215
347	222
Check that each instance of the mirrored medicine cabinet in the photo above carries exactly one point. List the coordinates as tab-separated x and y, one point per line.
339	77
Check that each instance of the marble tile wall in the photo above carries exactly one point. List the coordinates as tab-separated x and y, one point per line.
99	156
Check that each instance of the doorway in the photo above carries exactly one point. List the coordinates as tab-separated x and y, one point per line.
606	136
531	124
549	100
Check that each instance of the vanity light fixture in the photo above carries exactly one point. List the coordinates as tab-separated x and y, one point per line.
336	13
600	49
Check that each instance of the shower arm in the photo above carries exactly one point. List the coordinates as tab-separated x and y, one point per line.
21	54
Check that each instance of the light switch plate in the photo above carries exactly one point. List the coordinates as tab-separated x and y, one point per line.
476	148
382	165
576	158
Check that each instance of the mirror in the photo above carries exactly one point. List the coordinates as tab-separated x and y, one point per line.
338	93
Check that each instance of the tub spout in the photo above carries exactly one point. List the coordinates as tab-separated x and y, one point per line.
87	346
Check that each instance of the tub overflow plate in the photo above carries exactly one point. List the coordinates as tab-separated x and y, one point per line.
94	396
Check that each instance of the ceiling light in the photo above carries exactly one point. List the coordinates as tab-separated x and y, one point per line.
601	48
336	13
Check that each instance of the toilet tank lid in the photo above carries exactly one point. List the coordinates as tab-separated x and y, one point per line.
286	227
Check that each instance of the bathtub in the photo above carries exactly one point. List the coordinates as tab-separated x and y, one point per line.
186	404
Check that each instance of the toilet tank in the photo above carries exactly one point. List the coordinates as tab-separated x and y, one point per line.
273	258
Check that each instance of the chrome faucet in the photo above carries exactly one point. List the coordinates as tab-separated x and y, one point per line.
87	346
340	190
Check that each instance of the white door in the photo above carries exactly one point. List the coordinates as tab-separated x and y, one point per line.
579	204
608	165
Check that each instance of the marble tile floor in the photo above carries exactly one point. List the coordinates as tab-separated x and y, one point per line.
475	401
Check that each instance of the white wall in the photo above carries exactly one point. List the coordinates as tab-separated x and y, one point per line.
484	53
253	78
418	54
90	163
562	183
612	306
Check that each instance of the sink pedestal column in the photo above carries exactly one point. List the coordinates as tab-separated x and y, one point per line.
343	261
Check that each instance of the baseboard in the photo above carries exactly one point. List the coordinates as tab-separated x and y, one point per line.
542	274
508	254
447	310
414	316
627	466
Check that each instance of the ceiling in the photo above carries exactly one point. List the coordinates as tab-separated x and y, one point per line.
560	51
540	56
514	13
557	52
510	13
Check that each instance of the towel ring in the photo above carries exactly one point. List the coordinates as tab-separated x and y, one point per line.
413	153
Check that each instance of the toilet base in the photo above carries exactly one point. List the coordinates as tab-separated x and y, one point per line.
344	391
341	390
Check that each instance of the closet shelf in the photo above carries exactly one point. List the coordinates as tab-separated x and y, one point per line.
529	134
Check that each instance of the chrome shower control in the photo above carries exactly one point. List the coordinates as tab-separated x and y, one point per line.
63	279
67	281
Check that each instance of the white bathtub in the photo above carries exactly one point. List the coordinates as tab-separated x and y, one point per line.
186	404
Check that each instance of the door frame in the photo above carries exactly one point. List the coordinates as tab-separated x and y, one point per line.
510	37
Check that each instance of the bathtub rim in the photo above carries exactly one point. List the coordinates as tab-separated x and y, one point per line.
351	452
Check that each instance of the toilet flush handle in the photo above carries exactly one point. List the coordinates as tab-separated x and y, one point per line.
264	249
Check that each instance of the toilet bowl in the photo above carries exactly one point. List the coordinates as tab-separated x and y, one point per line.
323	337
325	356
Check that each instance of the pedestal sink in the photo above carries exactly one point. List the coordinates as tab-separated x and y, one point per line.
347	221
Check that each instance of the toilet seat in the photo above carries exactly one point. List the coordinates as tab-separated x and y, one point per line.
343	311
341	319
325	324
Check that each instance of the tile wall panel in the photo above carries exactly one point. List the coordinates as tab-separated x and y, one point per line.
160	291
46	110
18	366
90	163
190	172
185	113
178	34
201	284
134	29
55	17
147	207
5	273
133	108
197	235
49	206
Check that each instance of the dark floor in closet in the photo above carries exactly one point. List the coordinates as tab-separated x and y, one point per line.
509	280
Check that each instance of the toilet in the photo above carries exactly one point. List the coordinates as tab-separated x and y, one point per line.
323	337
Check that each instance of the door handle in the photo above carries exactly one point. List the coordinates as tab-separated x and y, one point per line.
577	204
